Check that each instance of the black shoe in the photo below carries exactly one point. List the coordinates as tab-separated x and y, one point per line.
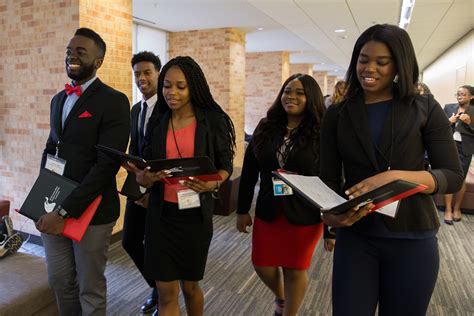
150	304
448	221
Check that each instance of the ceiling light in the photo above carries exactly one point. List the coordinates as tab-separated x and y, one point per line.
260	29
405	13
339	31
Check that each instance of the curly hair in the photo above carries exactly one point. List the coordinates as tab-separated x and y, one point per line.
273	128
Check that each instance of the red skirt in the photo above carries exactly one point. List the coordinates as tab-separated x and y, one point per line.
281	244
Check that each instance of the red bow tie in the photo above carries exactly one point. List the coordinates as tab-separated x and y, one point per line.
70	89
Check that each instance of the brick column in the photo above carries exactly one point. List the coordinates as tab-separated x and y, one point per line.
301	68
221	55
265	74
34	37
322	80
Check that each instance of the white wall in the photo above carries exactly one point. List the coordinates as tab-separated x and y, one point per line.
149	39
453	69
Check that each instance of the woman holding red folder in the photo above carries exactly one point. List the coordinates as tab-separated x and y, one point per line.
179	218
380	134
286	227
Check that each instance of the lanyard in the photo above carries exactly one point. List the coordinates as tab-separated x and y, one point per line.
174	137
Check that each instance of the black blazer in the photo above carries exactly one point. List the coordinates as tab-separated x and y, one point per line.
135	115
210	140
108	124
304	161
466	130
418	125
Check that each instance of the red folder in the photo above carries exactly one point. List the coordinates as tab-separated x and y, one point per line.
76	228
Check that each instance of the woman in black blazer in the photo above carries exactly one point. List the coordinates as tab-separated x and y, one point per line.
286	227
380	134
461	117
189	123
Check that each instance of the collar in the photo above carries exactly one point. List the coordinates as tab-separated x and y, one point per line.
151	101
86	84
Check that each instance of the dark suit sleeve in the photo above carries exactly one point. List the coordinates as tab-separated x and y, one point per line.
222	155
50	147
248	180
442	152
330	164
113	132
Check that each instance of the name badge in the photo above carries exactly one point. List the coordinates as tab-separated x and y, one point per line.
55	164
188	199
280	188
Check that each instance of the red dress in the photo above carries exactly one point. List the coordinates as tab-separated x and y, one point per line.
279	243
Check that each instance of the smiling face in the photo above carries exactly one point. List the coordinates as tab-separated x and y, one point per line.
293	98
82	59
376	71
146	78
176	90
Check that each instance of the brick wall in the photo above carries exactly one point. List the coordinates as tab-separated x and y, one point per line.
265	73
301	68
221	55
34	35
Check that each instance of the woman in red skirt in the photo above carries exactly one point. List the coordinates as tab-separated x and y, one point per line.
287	227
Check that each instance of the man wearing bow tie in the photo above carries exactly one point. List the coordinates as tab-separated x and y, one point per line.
86	113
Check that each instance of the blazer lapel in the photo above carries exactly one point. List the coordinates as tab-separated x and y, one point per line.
360	122
82	99
56	118
159	148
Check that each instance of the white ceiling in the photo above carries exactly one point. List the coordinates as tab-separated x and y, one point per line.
305	28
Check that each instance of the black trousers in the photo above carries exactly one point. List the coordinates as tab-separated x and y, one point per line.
133	236
398	274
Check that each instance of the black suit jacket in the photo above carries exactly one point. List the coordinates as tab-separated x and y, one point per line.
466	130
135	115
108	124
419	124
261	163
210	140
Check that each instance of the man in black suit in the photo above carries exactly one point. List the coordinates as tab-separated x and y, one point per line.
146	68
85	114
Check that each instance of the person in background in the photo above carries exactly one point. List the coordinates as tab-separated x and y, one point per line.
461	117
83	115
146	68
338	95
422	88
287	227
378	135
178	232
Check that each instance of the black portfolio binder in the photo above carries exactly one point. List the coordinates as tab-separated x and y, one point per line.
49	190
200	167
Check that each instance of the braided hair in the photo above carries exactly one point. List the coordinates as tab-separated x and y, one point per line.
307	133
199	91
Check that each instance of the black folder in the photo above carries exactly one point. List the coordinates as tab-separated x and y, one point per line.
131	188
380	197
49	190
200	167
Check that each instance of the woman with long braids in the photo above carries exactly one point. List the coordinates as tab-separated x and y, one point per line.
286	227
190	123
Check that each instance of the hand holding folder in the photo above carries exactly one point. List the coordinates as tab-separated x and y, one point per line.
319	194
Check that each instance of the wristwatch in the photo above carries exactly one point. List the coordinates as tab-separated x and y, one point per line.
62	212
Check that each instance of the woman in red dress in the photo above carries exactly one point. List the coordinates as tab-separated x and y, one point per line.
287	227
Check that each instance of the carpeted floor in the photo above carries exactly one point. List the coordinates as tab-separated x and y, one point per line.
231	287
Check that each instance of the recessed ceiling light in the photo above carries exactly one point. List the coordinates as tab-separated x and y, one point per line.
260	29
339	31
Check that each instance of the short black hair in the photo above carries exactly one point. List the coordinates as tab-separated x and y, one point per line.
147	56
399	43
86	32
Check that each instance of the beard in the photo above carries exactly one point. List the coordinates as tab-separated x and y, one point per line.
86	71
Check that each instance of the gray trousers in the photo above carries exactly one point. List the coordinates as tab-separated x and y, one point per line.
76	271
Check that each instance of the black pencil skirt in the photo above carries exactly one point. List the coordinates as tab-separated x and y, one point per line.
179	245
